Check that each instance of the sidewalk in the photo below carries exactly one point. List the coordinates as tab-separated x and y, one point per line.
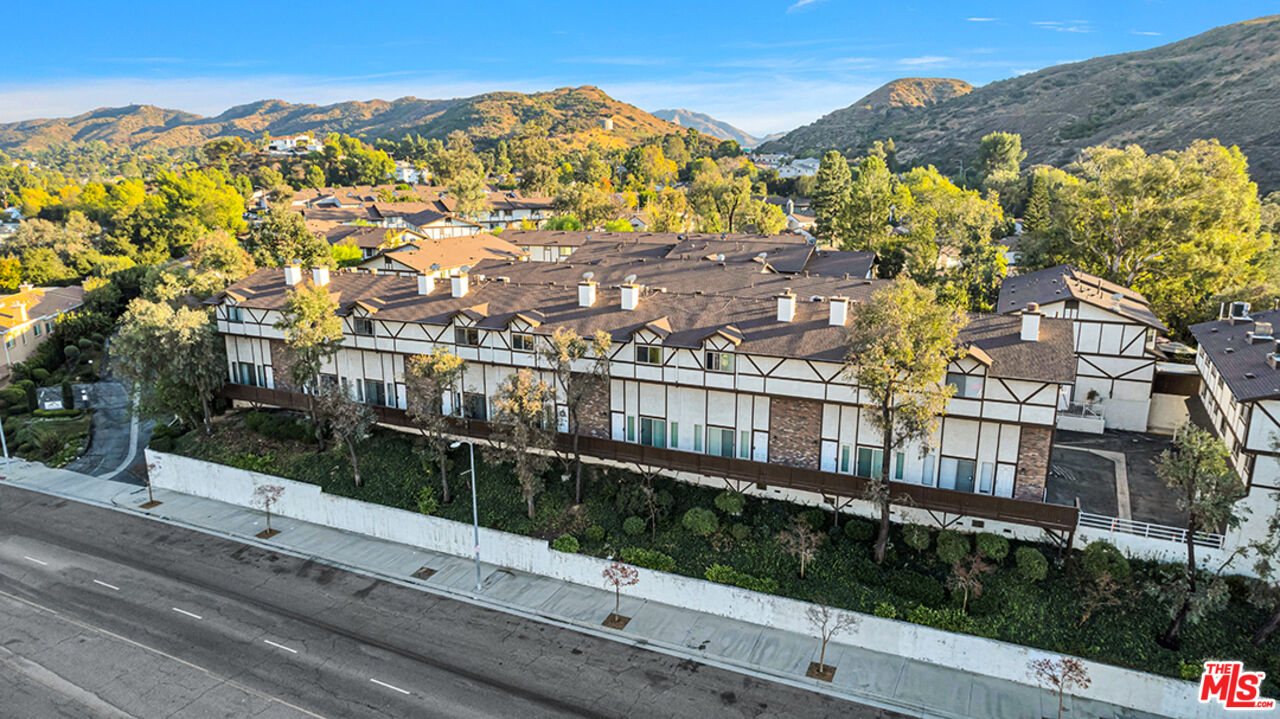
864	675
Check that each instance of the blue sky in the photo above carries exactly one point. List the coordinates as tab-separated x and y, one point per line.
764	66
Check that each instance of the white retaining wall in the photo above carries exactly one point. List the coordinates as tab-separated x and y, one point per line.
305	502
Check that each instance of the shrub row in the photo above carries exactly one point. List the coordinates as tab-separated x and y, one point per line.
280	426
728	575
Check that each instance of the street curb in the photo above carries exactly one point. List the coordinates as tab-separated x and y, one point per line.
504	607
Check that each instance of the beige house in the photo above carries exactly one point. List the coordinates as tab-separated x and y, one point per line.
28	316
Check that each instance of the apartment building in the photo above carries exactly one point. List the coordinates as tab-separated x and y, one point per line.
440	258
1114	335
27	318
731	348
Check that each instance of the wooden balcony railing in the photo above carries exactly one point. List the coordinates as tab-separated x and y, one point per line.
1047	516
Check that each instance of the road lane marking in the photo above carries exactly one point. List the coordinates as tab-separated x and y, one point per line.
37	561
189	614
384	684
108	586
280	646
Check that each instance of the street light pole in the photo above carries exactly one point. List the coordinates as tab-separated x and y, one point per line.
475	512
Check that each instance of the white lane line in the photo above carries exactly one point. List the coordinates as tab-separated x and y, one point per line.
189	614
280	646
37	561
384	684
108	586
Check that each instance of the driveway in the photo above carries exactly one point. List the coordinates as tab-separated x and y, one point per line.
1081	469
115	451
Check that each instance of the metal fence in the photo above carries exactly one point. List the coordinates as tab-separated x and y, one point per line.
1149	530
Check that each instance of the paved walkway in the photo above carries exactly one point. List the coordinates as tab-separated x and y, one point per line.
872	677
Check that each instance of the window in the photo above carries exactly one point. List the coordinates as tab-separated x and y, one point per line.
522	342
720	442
697	438
719	362
844	457
648	354
363	326
566	251
48	327
869	461
245	374
474	406
631	429
675	435
1071	305
8	342
968	386
468	336
744	444
375	392
899	464
987	481
653	432
235	314
957	474
36	326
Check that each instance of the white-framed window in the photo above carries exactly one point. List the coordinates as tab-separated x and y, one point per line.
468	336
235	314
720	441
362	326
522	342
648	354
719	361
653	432
697	438
566	251
967	386
744	444
36	327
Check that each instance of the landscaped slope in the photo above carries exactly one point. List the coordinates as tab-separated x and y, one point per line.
1224	84
572	115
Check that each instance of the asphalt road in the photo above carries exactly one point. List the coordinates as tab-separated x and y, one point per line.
106	614
110	438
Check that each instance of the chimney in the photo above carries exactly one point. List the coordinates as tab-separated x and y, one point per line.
460	285
26	287
21	307
1116	297
586	293
630	296
839	311
292	274
1031	323
786	306
320	276
426	284
791	206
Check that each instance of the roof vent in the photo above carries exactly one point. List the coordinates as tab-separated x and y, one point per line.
1031	323
629	280
1261	332
1273	359
720	257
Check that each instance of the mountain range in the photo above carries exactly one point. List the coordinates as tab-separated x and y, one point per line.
1224	84
708	125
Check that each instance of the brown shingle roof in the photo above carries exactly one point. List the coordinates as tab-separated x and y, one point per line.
1242	364
448	252
1054	284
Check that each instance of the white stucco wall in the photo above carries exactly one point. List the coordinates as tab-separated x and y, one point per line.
304	502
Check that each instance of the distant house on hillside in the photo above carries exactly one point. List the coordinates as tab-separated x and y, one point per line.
292	145
806	167
372	240
27	318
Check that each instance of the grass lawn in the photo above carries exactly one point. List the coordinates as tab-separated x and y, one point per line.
745	549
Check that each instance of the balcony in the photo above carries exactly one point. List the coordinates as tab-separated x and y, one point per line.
1081	417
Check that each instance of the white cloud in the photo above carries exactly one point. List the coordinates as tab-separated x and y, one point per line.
982	19
1079	26
924	60
1145	32
801	4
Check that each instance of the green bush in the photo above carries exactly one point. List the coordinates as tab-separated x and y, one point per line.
84	343
252	462
566	543
1102	558
700	521
740	531
15	400
916	536
950	619
886	610
859	530
594	533
58	412
815	518
649	559
993	545
730	502
916	587
952	546
633	526
68	396
1032	566
427	503
280	426
728	575
40	375
29	389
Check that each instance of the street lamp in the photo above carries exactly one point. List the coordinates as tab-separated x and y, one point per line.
475	513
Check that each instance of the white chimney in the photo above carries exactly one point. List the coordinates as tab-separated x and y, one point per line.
1031	323
839	311
292	275
630	296
426	284
586	294
786	306
320	276
460	284
22	311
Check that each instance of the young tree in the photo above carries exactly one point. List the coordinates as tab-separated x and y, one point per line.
1197	469
219	254
831	193
966	576
566	352
828	622
900	344
1000	153
872	195
427	379
266	495
520	430
1099	594
800	541
174	360
283	237
619	575
1061	675
349	421
312	334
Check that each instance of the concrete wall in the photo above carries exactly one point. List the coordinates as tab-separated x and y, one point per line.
307	503
1168	413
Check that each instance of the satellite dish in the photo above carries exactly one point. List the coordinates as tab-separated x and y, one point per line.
629	279
586	276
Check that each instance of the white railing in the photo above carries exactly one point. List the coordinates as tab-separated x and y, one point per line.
1079	409
1147	529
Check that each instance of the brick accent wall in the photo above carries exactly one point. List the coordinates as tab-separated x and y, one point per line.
1033	463
593	415
795	432
281	361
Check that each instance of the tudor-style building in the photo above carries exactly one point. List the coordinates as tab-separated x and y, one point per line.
728	348
1114	336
